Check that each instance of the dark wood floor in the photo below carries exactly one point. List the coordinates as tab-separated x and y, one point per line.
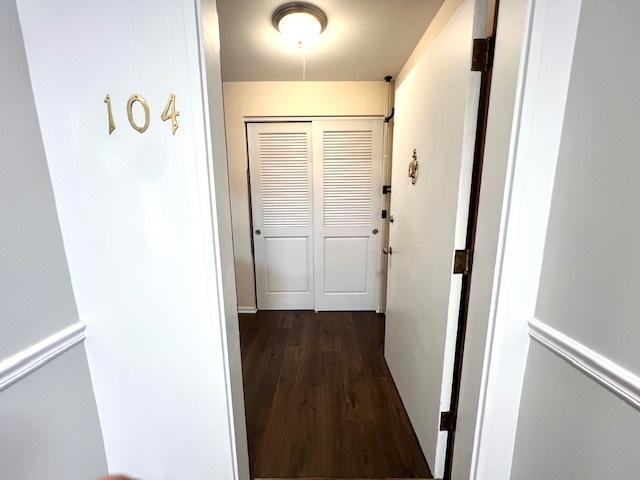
320	401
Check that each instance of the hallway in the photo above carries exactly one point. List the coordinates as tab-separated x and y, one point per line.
320	401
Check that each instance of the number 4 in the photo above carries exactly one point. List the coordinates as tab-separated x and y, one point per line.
170	112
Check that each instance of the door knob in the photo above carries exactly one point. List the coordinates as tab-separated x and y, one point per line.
388	251
258	232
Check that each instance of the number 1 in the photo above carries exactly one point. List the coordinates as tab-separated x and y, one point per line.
112	125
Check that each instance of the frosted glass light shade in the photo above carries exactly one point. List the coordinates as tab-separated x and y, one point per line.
299	23
300	28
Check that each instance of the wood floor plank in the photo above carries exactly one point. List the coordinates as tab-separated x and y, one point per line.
320	401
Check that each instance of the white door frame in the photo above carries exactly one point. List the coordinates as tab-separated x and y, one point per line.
520	159
493	351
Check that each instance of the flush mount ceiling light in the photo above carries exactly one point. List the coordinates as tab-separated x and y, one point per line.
299	22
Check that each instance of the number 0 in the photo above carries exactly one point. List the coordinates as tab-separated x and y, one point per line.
170	112
143	102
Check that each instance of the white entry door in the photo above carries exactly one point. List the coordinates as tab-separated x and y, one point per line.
348	201
436	111
282	206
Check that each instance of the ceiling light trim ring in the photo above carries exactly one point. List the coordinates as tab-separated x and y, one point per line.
299	7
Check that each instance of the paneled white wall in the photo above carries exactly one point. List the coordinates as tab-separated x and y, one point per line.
50	425
571	428
141	231
48	416
579	414
35	291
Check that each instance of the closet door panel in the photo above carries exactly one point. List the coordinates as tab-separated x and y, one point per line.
282	206
347	203
345	264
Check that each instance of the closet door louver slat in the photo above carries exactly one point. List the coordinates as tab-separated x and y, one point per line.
286	184
347	177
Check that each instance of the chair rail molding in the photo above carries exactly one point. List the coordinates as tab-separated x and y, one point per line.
28	360
609	374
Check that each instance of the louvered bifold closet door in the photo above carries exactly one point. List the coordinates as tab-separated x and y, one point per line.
282	206
348	199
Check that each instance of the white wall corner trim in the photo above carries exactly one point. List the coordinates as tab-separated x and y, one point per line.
247	310
31	358
609	374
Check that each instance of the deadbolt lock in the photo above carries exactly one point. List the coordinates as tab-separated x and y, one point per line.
374	231
258	232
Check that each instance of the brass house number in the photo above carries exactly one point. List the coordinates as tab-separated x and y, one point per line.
169	113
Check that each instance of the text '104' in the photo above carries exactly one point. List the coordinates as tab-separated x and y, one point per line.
169	113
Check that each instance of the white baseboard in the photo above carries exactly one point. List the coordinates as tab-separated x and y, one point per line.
609	374
247	310
31	358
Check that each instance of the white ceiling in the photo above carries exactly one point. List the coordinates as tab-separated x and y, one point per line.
364	40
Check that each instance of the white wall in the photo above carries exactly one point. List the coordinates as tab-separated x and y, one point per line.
138	224
48	413
440	20
247	99
50	424
571	428
588	279
581	395
35	292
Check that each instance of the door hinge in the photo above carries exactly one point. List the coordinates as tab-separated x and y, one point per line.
386	189
462	261
447	421
482	56
384	214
